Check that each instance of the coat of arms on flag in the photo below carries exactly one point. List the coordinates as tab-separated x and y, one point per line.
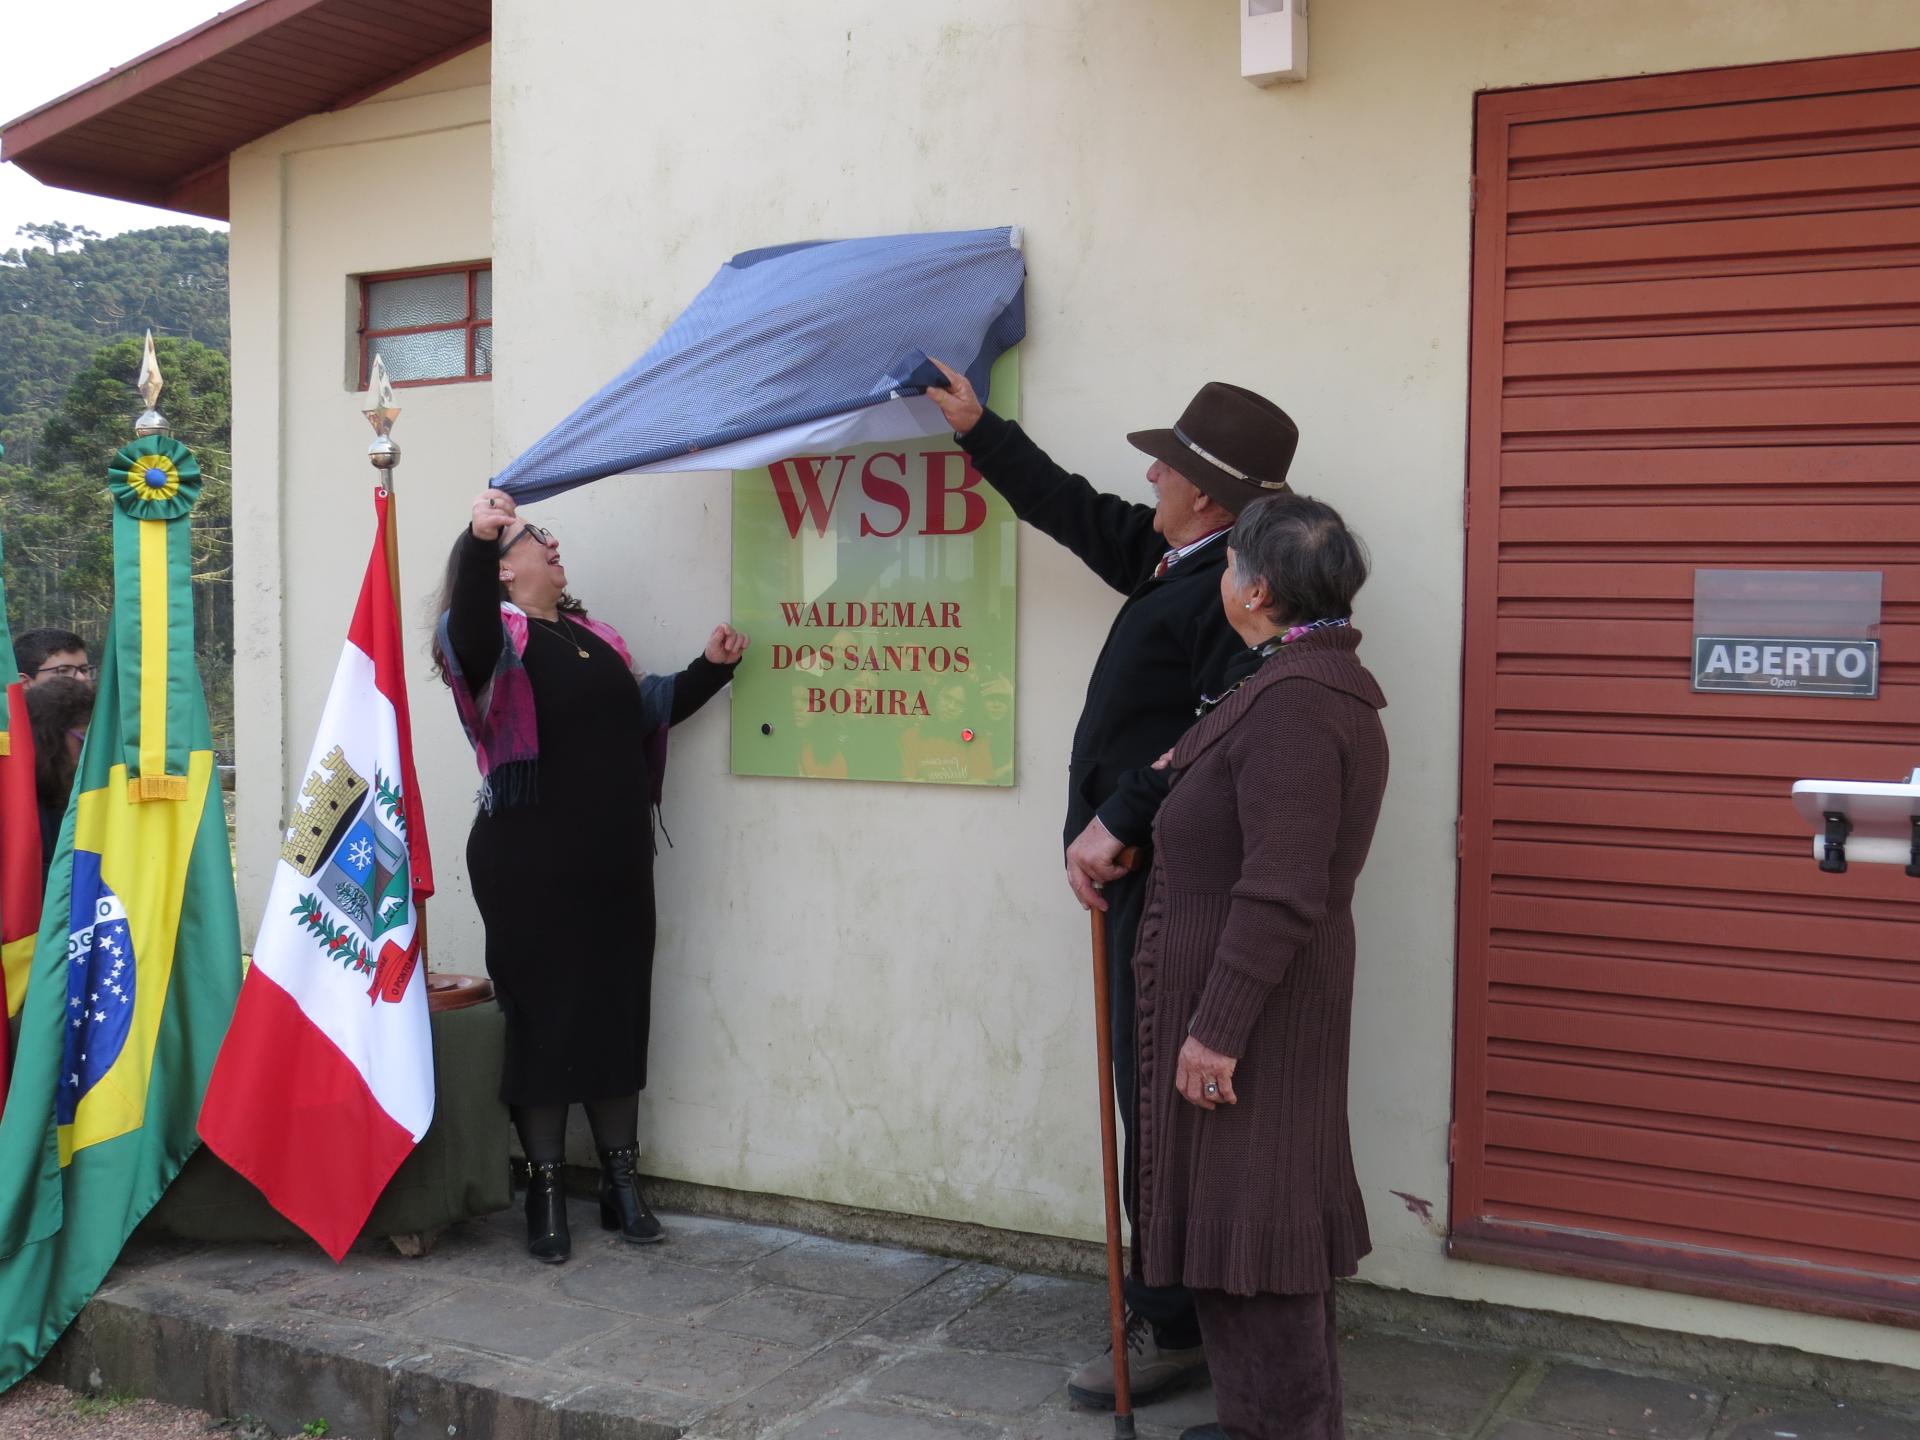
350	838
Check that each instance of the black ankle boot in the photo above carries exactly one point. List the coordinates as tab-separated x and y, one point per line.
548	1240
622	1206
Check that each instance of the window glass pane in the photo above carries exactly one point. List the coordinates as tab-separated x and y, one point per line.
434	355
483	295
483	350
417	300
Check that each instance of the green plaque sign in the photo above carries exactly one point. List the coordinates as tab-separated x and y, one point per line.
878	585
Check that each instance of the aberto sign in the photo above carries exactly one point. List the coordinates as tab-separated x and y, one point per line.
1742	663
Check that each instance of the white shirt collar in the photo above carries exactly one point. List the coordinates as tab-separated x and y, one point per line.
1174	557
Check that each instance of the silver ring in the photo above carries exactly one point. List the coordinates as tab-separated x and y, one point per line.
1212	1089
1099	884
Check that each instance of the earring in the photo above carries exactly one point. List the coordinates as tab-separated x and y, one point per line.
1249	604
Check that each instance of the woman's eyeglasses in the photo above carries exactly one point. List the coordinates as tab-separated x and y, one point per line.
540	533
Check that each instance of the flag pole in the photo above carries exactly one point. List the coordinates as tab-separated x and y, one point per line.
384	455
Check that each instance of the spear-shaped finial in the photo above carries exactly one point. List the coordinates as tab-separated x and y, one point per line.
381	412
150	421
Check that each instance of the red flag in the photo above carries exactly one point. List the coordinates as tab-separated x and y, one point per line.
325	1082
20	879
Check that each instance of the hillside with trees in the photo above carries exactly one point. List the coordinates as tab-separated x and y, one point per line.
71	321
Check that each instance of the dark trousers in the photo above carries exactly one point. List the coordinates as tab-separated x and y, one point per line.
1275	1365
1168	1308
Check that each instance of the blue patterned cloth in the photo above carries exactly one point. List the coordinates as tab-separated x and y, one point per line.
786	337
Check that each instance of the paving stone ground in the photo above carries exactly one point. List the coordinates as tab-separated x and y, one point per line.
742	1332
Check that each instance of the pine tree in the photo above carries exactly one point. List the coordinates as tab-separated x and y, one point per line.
58	522
71	318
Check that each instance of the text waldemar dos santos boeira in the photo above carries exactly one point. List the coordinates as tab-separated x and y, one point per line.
876	657
880	581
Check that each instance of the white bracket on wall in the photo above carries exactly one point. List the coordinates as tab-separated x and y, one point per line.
1871	820
1273	40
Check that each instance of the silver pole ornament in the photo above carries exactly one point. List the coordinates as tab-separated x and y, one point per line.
381	412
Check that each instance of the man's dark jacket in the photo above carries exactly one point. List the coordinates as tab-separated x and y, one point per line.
1169	645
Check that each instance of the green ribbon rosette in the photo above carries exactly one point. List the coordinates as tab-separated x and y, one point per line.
154	483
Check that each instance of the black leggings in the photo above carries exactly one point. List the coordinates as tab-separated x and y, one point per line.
543	1128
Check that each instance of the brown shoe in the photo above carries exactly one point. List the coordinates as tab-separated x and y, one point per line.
1151	1371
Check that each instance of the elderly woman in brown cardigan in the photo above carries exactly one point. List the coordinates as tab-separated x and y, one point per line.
1245	976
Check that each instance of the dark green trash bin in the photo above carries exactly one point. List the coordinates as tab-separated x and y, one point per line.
457	1171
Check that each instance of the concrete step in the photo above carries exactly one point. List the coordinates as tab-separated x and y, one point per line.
737	1331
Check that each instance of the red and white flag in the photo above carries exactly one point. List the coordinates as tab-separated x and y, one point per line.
20	882
325	1081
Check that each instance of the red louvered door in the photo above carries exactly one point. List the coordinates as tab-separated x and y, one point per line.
1686	1057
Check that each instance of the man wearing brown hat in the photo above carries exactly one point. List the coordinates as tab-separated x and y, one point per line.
1169	646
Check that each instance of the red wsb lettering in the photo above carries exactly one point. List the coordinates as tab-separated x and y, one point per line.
800	485
973	505
809	503
886	492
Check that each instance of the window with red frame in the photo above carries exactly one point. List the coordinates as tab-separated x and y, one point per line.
432	327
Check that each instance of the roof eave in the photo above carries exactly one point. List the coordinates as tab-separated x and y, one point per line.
203	193
41	142
159	65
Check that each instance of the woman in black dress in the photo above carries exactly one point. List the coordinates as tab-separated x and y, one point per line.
571	741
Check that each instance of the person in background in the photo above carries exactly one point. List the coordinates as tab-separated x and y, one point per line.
1167	649
51	654
571	744
58	709
1244	978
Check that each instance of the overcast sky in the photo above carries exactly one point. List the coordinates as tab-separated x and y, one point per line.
49	49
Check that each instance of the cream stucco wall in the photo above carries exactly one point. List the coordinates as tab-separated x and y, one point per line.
395	182
872	994
877	994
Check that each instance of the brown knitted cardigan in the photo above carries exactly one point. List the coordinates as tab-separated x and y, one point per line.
1247	944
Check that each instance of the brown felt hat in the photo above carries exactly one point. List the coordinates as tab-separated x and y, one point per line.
1233	444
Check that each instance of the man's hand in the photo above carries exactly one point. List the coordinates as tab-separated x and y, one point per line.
1093	860
726	645
1204	1077
957	402
493	511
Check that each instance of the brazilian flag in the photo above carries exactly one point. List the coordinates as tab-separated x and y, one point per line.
137	965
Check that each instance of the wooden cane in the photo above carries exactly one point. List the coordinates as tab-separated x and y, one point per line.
1110	1166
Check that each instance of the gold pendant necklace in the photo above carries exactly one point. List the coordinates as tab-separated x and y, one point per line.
571	637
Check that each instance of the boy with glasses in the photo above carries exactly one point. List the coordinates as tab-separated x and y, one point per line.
49	654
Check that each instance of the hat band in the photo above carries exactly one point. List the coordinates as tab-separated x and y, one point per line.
1215	461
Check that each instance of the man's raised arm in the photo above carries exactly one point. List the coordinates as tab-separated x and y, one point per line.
1113	538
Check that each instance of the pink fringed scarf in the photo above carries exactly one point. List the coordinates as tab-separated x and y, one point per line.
499	717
